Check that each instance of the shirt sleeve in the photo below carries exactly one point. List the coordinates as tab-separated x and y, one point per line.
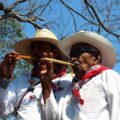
50	108
8	98
52	102
112	87
3	93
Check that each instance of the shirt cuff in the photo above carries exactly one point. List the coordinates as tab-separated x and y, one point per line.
3	83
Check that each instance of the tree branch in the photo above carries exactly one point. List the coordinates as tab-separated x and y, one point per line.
16	3
77	12
99	20
20	19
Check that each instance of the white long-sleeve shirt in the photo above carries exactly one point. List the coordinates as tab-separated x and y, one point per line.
30	108
101	99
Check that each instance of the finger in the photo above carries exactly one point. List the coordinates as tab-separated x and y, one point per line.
12	54
73	59
50	65
11	57
45	55
68	58
50	55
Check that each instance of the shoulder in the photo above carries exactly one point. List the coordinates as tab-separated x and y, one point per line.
110	77
68	76
110	72
63	81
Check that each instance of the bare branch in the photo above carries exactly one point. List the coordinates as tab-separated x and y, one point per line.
77	12
17	17
16	3
75	26
99	20
45	7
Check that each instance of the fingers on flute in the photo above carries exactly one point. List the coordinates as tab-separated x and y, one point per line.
43	64
50	65
11	57
47	66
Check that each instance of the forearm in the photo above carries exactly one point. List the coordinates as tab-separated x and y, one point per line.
3	91
3	83
46	94
6	70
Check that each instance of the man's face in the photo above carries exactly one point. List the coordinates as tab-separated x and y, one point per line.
86	55
38	49
86	61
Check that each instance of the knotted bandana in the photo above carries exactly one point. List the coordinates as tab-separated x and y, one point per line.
97	69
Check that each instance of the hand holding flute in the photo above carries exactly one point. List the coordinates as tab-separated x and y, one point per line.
47	59
8	64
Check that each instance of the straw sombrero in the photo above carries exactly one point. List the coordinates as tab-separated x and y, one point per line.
105	47
23	46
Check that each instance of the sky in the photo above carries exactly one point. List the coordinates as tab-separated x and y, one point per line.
30	31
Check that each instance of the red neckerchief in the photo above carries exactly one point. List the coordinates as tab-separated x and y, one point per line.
54	86
95	71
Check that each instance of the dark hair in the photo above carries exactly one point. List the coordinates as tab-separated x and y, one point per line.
78	49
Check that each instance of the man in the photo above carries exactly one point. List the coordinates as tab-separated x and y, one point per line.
29	96
94	93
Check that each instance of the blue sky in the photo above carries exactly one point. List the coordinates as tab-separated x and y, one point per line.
30	31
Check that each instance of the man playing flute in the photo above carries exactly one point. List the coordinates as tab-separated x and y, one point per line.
29	96
94	93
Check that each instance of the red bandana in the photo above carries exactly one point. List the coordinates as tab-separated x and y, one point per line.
93	72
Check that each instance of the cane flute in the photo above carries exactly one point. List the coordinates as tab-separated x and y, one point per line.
47	59
24	57
58	61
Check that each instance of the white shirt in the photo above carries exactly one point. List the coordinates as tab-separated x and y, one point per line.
30	108
101	99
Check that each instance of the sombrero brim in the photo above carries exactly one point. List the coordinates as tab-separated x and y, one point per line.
107	51
23	46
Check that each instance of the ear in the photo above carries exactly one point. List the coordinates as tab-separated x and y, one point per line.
97	60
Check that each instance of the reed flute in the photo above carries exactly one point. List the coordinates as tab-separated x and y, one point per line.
47	59
58	61
24	57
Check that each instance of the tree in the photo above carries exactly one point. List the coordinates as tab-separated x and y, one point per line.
67	16
99	13
10	33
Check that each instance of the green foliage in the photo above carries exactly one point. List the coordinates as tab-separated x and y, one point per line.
11	31
22	66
